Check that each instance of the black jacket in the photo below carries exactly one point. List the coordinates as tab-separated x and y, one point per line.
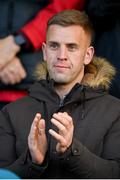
95	150
13	16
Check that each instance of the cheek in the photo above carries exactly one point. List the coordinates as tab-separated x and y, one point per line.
50	55
78	65
50	60
77	60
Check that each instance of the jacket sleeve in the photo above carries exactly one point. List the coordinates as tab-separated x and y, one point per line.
35	30
21	165
83	163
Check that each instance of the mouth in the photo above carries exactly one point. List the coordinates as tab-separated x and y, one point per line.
61	67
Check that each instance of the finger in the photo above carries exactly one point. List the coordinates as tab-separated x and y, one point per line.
58	137
16	78
41	129
63	118
16	69
17	73
8	76
36	120
5	77
58	124
65	115
34	127
23	73
20	68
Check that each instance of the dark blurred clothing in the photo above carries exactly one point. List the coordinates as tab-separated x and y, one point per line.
105	15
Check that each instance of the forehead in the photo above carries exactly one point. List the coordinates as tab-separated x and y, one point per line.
73	33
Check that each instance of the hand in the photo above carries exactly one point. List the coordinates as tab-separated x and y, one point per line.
37	140
8	50
13	72
64	123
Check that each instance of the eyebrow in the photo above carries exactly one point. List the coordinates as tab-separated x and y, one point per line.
69	43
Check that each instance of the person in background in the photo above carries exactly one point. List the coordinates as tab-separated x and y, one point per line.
68	126
105	16
22	31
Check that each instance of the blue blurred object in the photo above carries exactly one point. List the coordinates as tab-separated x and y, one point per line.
5	174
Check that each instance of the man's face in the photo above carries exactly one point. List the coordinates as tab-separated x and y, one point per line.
66	52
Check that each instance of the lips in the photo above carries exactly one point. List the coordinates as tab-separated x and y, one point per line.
61	66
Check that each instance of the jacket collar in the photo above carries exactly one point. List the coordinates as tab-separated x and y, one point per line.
98	73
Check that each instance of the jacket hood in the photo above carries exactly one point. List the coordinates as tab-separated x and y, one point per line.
98	73
97	79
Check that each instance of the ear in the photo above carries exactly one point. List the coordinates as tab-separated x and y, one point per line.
89	55
44	50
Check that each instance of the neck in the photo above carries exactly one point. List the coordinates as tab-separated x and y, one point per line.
62	90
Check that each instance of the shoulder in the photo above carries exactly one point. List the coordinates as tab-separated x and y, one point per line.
111	104
20	104
112	99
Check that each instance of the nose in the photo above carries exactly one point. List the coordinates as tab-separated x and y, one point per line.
62	53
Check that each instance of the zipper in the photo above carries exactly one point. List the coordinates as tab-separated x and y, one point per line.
62	101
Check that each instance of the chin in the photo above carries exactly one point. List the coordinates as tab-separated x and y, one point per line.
60	81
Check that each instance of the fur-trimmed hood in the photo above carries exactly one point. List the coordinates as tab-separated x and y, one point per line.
98	73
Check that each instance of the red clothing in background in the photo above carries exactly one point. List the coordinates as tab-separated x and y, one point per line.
35	31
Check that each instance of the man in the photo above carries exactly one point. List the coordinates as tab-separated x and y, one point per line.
22	32
68	126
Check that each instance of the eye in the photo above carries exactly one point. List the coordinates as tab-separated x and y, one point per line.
53	45
72	47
